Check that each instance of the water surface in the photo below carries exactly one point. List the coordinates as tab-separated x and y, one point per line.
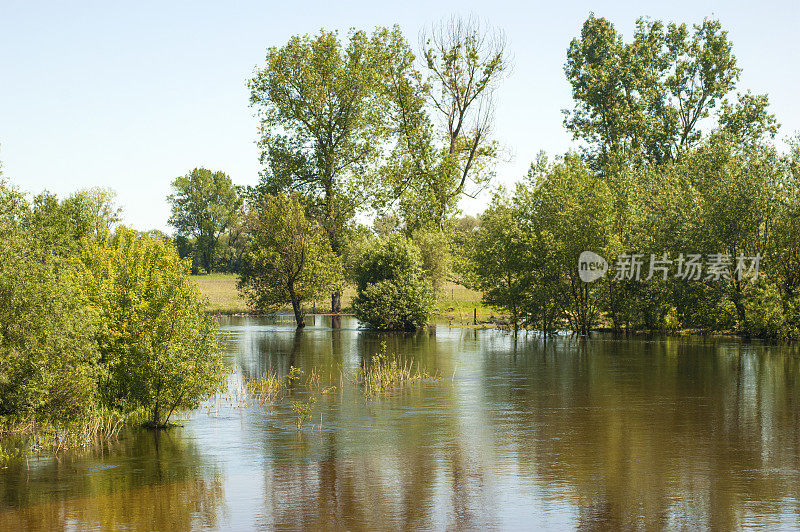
566	433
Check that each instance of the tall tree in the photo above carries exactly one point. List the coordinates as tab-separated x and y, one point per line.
644	101
323	120
204	204
444	119
48	356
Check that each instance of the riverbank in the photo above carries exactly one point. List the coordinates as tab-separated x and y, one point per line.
454	302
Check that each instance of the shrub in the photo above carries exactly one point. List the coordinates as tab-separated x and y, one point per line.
48	358
391	291
157	343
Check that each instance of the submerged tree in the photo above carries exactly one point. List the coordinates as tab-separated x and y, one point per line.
566	210
323	119
48	354
503	260
158	345
288	258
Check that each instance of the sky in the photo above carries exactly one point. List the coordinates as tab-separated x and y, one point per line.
131	95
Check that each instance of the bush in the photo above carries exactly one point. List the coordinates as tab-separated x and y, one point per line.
391	291
158	346
48	358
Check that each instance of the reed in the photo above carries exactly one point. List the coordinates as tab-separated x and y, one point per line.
267	388
386	372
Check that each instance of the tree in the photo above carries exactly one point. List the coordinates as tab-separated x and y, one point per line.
503	265
48	357
204	204
323	119
568	210
158	345
94	211
431	167
391	290
644	101
46	328
288	258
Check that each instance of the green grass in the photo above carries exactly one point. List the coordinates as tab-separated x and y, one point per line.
220	289
458	304
453	302
224	298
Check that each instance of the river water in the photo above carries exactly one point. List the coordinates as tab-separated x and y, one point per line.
598	433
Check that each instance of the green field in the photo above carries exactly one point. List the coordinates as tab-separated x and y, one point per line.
453	302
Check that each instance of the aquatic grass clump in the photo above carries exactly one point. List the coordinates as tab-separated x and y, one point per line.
387	372
267	388
21	438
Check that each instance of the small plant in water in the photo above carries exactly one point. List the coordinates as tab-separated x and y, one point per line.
302	410
294	375
388	371
266	388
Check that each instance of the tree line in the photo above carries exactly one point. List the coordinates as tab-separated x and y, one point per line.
673	160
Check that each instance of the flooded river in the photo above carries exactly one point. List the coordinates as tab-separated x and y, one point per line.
599	433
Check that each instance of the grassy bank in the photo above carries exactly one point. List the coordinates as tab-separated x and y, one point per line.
453	302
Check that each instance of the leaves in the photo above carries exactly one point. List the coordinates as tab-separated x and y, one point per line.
288	258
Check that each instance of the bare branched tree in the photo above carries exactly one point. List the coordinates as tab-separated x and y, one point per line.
446	118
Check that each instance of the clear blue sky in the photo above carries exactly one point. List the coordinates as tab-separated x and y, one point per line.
131	96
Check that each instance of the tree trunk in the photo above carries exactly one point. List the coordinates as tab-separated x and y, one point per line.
157	412
336	302
298	313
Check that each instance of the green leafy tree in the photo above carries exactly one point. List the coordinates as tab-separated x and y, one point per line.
204	205
323	119
568	210
288	258
158	345
94	211
503	259
391	290
644	101
432	167
48	356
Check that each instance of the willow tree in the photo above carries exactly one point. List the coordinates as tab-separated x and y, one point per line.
323	121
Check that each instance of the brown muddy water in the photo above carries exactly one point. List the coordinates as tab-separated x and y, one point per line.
598	433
